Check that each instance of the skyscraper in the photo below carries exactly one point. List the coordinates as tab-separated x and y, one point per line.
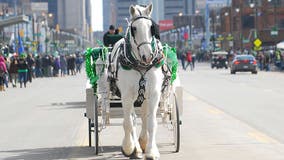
72	15
115	12
158	8
109	13
173	8
122	8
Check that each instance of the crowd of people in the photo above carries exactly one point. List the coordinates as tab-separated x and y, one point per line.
20	69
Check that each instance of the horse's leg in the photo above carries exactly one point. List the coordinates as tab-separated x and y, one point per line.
144	133
130	145
152	151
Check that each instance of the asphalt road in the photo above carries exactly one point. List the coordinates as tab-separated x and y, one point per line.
257	100
225	117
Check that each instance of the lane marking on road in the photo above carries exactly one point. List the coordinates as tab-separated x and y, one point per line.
82	136
189	97
215	111
261	137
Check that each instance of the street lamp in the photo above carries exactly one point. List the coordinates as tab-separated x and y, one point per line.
274	31
254	5
274	11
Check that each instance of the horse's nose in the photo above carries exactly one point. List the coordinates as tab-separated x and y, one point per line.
144	58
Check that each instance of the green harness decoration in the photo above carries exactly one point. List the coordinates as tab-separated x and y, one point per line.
92	55
171	60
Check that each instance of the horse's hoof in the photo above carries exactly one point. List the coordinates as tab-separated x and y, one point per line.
142	144
133	155
151	158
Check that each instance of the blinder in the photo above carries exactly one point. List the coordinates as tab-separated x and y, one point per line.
154	28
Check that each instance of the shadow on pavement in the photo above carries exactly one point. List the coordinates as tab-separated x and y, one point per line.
66	105
109	152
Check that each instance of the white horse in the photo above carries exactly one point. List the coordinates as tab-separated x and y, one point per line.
139	79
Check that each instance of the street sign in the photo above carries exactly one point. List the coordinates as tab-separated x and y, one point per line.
230	38
245	40
257	42
220	38
273	33
257	48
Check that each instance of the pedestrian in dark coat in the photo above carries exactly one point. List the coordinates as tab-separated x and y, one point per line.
23	70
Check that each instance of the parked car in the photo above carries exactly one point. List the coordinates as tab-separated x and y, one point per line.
244	63
219	59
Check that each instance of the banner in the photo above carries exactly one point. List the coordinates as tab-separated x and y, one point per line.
165	25
20	45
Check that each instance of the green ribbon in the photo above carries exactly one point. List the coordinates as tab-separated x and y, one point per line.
92	55
172	61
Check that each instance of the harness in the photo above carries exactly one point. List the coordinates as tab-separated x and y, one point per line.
128	59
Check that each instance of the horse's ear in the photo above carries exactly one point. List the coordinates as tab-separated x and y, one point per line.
149	9
132	11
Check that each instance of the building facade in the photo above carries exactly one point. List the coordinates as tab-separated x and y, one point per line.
177	7
246	22
109	13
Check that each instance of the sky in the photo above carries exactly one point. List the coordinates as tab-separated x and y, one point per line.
97	15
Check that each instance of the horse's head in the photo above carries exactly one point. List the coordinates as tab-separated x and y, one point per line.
142	32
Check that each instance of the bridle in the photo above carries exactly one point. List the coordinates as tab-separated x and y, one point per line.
154	33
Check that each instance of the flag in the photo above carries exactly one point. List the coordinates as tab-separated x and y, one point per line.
20	45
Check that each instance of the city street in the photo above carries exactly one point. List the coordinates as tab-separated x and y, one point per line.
236	117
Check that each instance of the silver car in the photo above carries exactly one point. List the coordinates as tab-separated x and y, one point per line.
244	63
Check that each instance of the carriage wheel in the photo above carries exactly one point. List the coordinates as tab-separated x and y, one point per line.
96	126
175	121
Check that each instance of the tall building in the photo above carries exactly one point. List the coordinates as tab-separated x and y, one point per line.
72	15
52	11
158	8
109	13
176	7
122	8
115	12
88	12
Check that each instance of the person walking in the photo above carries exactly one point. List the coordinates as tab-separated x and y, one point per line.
6	75
79	62
13	70
31	63
38	66
189	60
23	70
193	59
3	71
183	58
63	65
56	67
